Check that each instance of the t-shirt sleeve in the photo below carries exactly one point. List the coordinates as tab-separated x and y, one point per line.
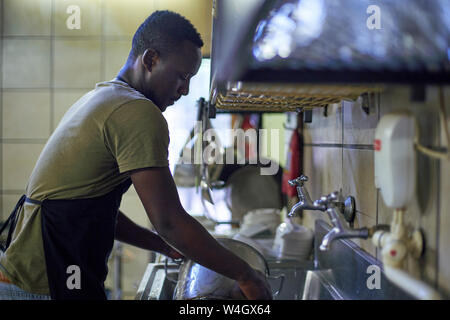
137	135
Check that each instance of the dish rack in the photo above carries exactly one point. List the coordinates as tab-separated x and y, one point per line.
281	97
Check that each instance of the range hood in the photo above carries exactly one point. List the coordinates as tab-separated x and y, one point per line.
282	55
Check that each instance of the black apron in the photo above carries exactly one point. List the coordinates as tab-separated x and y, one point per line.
78	236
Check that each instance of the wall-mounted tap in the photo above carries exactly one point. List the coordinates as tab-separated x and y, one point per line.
305	202
339	230
333	206
396	245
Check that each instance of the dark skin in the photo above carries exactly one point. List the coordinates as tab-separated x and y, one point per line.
129	232
164	79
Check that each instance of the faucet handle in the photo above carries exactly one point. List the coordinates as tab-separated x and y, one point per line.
333	197
326	200
323	201
298	181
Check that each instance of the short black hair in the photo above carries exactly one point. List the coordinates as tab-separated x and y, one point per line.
163	31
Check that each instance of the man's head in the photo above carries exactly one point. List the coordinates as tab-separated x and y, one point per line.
166	47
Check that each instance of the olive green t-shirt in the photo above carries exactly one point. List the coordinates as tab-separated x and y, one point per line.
108	132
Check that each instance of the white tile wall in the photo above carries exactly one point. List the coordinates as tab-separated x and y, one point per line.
358	180
77	63
116	54
26	114
27	17
18	163
325	129
122	18
26	63
359	127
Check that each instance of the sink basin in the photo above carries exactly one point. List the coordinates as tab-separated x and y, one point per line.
340	273
157	284
318	287
292	286
301	281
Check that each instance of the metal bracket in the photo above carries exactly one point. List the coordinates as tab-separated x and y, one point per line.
325	110
307	116
365	104
211	111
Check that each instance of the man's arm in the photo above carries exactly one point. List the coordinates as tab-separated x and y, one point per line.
129	232
158	193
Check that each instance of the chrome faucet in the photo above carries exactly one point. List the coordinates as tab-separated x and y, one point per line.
305	202
339	230
334	207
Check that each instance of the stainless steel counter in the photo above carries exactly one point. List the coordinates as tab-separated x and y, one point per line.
339	274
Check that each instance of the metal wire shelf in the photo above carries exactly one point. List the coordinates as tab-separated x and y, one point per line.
287	97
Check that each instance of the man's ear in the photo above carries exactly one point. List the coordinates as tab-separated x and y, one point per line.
150	58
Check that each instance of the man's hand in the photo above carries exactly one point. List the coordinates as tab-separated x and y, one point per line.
255	286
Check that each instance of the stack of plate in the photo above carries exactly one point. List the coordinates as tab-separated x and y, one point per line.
293	241
260	223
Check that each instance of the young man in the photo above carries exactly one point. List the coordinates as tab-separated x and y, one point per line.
114	136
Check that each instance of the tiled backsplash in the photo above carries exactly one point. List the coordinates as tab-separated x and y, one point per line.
338	155
46	66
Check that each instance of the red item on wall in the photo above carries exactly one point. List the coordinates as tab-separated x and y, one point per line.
293	164
248	123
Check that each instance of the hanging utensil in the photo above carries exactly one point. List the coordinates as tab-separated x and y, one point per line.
204	182
206	187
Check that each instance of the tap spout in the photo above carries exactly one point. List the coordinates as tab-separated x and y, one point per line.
336	233
305	202
340	231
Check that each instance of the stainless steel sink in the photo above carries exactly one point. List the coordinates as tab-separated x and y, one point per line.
318	287
340	273
158	282
301	281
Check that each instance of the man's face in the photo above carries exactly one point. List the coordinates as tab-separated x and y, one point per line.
170	75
